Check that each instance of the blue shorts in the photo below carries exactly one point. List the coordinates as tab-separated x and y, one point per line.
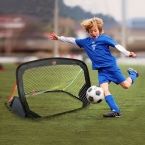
110	74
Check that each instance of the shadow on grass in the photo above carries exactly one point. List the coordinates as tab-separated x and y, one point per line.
62	113
34	116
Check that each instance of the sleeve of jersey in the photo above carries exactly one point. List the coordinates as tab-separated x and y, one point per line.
115	44
79	42
110	41
70	40
122	50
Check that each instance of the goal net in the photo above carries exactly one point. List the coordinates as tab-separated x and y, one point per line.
52	86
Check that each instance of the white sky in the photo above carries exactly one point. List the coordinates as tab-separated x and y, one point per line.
134	8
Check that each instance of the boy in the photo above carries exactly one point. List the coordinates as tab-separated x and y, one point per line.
97	48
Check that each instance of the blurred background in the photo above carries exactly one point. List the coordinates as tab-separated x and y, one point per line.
24	23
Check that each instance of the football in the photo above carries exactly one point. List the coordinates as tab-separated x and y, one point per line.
95	94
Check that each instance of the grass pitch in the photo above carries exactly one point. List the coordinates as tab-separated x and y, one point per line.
85	127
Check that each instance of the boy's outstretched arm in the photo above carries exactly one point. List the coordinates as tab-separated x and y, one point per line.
124	51
54	36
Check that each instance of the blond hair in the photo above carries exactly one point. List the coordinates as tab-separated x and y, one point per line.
89	23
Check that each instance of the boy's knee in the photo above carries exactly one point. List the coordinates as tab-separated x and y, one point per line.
106	92
126	86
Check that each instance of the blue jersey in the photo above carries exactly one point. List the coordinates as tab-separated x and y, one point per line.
98	50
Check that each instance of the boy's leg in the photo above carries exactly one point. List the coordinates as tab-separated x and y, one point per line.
133	74
112	103
115	111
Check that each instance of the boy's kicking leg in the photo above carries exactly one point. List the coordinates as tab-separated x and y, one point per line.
133	74
115	111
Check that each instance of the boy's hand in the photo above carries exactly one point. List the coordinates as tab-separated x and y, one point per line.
51	36
132	54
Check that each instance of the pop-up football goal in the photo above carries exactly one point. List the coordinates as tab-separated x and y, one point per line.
49	87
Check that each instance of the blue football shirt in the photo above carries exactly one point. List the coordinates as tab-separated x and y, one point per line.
98	50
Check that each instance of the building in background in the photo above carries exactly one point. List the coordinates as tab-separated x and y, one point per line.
22	25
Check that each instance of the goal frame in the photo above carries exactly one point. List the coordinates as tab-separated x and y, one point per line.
47	62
